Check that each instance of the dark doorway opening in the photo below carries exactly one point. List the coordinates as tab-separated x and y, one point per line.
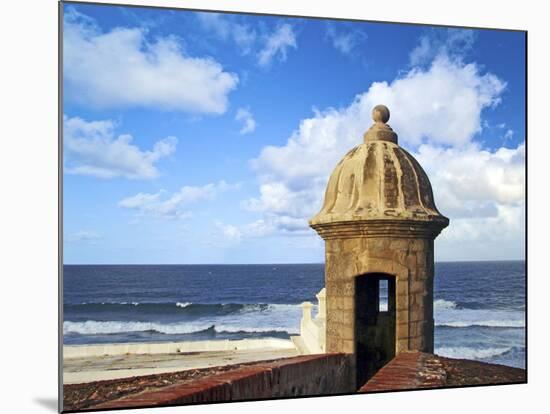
374	323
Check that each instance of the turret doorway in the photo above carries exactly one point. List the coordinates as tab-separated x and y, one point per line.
374	323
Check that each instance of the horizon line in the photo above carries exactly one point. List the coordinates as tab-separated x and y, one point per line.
266	264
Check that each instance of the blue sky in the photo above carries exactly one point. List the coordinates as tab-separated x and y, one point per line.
208	138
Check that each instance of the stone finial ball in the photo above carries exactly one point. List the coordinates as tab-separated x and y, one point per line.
381	113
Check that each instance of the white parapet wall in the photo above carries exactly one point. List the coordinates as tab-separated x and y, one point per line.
86	351
312	337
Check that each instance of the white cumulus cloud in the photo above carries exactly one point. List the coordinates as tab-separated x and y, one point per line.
228	231
453	43
483	193
473	182
122	67
172	206
92	148
270	225
437	112
243	35
245	116
266	43
277	44
440	105
346	41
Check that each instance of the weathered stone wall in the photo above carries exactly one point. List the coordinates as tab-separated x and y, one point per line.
410	260
299	376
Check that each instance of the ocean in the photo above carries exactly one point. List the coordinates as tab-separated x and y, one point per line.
479	307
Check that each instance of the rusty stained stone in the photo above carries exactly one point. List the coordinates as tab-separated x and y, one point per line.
369	192
402	306
331	300
343	288
347	331
418	328
348	303
390	181
417	286
421	343
348	346
402	330
332	342
352	152
422	259
408	181
402	344
402	288
337	318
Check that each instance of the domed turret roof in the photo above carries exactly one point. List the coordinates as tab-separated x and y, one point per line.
379	181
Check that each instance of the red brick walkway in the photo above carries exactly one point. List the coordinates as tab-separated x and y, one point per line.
407	371
321	374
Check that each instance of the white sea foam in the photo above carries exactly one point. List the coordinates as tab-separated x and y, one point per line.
461	318
236	329
485	323
271	307
447	313
470	353
114	327
444	304
251	318
256	318
110	303
118	327
183	304
290	308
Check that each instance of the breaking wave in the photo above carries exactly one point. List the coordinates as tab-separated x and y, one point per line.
117	327
185	318
471	353
444	304
453	317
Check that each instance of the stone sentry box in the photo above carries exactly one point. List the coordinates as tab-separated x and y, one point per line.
379	222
